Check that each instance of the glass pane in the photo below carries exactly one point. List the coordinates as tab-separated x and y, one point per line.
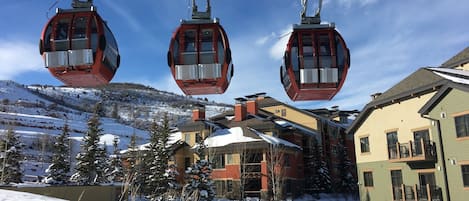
207	40
189	41
368	178
79	27
324	45
308	51
392	139
364	145
462	125
396	177
94	35
61	31
340	52
465	175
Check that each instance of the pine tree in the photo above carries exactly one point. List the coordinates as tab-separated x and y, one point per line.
132	172
173	185
199	186
86	167
10	157
57	172
158	157
346	183
321	179
115	171
101	165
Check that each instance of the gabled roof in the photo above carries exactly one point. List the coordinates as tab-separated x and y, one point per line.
237	135
457	60
459	80
191	125
422	81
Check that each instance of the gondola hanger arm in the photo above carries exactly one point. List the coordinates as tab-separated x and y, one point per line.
82	4
196	14
305	19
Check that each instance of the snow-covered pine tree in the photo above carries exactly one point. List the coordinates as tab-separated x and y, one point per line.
158	156
115	171
199	186
86	170
101	165
132	187
57	172
10	157
322	172
173	185
346	183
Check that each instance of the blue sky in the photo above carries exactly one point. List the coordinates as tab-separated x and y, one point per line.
388	40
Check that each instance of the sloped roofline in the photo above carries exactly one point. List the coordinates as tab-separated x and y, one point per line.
440	95
400	96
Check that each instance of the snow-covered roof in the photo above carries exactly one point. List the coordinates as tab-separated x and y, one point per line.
285	124
223	137
453	75
275	140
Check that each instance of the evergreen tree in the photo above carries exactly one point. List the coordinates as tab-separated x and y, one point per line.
322	180
173	185
102	165
86	167
345	183
158	157
115	171
132	185
57	172
199	186
10	157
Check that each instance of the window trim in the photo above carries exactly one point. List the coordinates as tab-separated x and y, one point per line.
365	183
461	164
368	144
466	134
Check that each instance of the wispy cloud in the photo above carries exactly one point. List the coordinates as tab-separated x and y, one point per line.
17	57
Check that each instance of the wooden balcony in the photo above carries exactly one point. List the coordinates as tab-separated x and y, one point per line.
416	193
413	151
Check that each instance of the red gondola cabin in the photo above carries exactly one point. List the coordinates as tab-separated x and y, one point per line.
199	56
78	48
315	63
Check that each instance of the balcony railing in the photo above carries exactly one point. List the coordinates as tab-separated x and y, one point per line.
417	193
412	151
251	170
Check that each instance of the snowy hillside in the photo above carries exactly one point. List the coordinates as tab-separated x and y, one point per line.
38	114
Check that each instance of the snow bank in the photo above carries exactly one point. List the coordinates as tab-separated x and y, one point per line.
7	195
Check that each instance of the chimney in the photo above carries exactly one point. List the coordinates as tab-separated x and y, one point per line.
240	109
261	96
375	95
198	113
251	104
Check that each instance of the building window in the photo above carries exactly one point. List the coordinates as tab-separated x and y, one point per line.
218	161
364	145
220	187
284	112
229	159
229	185
368	179
187	138
187	162
465	175
462	125
392	140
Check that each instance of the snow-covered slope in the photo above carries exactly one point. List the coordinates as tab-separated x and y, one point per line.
39	113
